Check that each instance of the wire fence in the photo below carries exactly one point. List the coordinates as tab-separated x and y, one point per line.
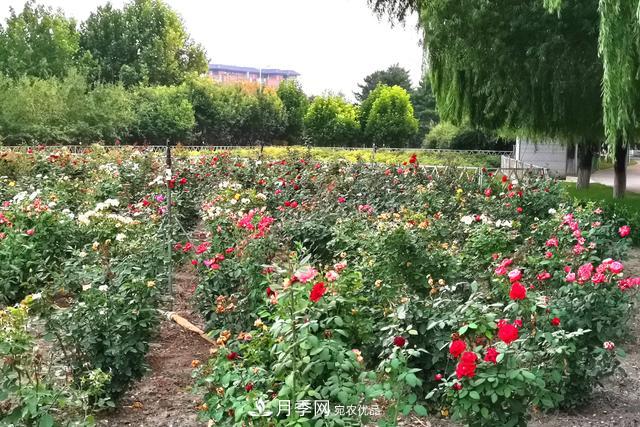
214	148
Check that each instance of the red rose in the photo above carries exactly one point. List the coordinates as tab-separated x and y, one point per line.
519	209
545	275
232	356
269	291
399	341
491	355
624	231
515	275
457	347
457	386
487	192
504	178
467	365
508	333
555	321
438	377
517	292
317	292
248	387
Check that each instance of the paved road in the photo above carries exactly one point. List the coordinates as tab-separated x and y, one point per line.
633	177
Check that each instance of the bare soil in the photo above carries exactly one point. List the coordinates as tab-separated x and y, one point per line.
163	397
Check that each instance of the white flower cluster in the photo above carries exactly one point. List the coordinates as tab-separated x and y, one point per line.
24	195
85	218
470	219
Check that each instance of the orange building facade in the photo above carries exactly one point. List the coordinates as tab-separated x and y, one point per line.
269	77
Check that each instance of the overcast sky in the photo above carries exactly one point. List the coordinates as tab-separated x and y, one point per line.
333	44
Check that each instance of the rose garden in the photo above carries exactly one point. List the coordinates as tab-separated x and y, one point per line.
420	292
185	243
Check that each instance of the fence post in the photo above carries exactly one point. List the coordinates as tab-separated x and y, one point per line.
168	177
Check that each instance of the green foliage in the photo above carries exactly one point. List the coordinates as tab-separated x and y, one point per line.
109	329
145	42
64	110
30	392
295	105
163	113
392	76
38	42
487	58
266	118
331	121
391	121
424	106
447	135
441	135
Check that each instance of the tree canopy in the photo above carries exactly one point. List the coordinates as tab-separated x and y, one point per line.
395	75
145	42
38	42
295	105
391	121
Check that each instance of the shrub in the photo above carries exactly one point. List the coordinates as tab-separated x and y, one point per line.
295	105
31	394
330	121
390	121
163	113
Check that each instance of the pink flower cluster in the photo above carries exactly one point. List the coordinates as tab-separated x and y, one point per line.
262	226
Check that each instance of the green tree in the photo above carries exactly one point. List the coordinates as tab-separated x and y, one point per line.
367	103
331	121
267	117
295	105
391	121
163	112
395	75
424	107
38	42
619	46
505	65
145	42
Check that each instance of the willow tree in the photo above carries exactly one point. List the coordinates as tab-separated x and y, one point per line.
619	43
511	66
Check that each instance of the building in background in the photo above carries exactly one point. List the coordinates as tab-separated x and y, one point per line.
229	74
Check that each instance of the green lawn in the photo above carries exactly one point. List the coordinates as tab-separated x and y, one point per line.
602	193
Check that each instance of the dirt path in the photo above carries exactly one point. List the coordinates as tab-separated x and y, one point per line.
163	398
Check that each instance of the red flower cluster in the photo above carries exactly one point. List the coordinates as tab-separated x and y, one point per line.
507	332
457	347
491	355
517	292
399	341
317	292
467	365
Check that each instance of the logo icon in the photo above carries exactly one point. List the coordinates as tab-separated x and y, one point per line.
260	410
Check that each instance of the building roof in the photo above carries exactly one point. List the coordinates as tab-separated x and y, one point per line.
265	71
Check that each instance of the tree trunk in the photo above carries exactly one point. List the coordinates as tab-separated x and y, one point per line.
585	163
620	168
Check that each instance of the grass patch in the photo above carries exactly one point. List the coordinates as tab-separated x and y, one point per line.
604	163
